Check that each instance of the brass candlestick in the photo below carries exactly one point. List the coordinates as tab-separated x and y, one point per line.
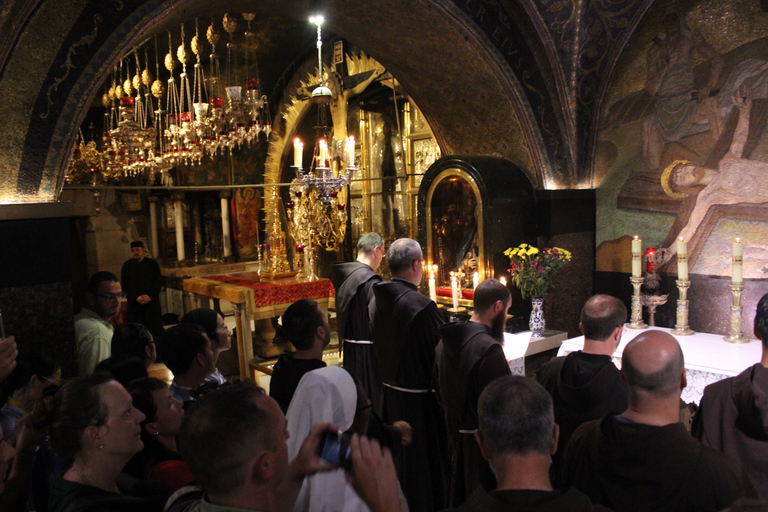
636	322
736	334
681	327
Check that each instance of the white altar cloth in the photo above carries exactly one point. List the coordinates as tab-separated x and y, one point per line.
708	358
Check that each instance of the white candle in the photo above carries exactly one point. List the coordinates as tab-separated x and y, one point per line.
475	280
298	152
738	262
432	291
323	153
351	152
682	260
637	264
455	291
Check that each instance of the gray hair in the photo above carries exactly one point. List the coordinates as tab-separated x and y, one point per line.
401	255
368	242
516	417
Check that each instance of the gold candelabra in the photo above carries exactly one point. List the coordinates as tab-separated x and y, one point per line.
275	255
736	332
637	306
681	326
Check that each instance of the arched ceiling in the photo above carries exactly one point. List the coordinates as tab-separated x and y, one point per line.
491	76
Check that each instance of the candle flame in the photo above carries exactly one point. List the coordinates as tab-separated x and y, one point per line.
637	237
503	281
681	239
738	240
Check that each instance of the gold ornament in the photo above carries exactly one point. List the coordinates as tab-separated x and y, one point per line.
181	53
105	100
146	77
230	23
169	62
195	44
666	179
137	81
111	93
248	16
158	89
119	91
213	35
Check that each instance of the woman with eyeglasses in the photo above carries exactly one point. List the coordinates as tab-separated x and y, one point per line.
34	372
218	333
93	423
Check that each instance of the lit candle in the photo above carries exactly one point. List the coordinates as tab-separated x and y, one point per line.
298	152
323	153
637	264
455	291
503	280
432	291
682	259
351	152
649	254
475	280
738	262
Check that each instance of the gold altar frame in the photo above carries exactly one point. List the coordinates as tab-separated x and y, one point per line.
448	173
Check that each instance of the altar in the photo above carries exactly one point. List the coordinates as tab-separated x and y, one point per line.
708	358
257	300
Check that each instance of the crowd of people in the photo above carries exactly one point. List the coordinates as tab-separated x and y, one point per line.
424	416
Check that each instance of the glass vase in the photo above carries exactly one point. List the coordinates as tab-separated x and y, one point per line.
537	323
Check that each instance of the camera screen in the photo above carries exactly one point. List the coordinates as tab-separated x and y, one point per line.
335	449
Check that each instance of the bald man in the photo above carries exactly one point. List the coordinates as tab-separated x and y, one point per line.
644	459
585	385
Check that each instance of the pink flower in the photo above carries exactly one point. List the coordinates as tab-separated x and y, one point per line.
514	267
541	268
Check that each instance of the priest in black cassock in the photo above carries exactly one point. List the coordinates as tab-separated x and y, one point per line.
470	356
141	280
354	294
405	333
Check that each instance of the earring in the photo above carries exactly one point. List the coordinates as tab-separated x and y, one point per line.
157	433
101	447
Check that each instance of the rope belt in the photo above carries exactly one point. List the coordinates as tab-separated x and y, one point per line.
404	390
358	342
466	431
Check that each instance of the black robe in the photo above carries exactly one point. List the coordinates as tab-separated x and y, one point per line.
583	387
524	500
733	418
468	359
143	278
634	467
405	327
353	282
286	375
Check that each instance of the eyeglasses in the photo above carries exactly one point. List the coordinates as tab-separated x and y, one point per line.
223	329
111	296
48	380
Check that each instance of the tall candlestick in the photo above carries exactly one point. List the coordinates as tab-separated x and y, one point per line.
637	264
738	262
682	260
432	291
323	153
298	152
455	291
475	280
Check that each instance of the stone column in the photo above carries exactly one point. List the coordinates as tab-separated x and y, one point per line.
225	232
154	245
178	216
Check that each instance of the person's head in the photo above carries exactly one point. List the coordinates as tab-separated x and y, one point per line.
123	368
601	316
761	320
34	372
405	259
163	413
7	452
515	417
304	322
186	348
491	302
91	416
233	436
372	246
214	326
137	250
652	366
103	294
133	339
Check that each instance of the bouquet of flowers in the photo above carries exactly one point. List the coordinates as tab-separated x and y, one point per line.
534	271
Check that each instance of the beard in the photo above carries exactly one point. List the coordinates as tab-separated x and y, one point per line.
497	326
